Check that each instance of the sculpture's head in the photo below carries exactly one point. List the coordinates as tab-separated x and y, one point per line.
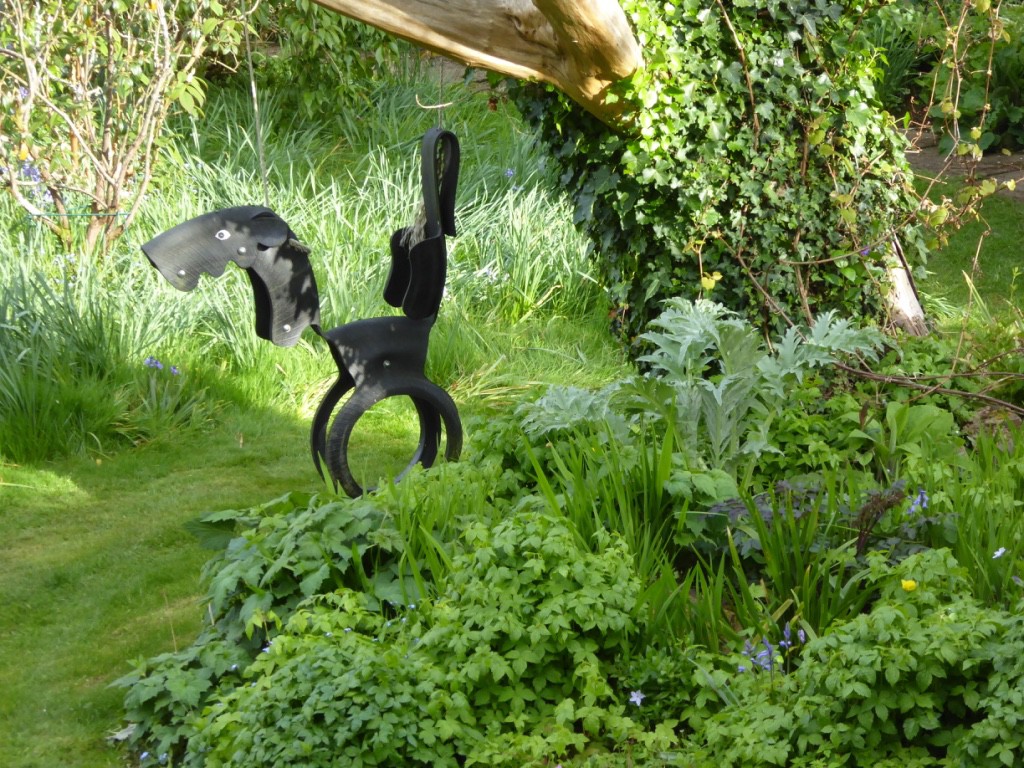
261	243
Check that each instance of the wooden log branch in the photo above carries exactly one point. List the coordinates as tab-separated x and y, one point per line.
579	46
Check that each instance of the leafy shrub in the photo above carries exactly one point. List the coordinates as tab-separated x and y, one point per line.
271	559
310	40
334	686
755	166
80	131
923	678
533	618
713	380
165	692
509	665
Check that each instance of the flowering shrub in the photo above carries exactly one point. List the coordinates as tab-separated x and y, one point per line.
926	677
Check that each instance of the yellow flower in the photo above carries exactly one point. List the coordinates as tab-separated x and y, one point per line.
909	585
708	281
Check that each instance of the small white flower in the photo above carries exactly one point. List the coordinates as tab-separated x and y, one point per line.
999	553
636	697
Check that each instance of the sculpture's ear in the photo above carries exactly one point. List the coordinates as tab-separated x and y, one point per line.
269	229
398	278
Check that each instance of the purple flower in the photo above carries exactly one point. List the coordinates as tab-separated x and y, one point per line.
509	173
30	172
765	658
636	697
920	502
174	370
152	362
786	640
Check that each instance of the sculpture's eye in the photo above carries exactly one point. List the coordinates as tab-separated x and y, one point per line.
222	234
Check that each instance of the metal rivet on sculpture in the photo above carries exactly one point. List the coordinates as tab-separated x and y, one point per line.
378	357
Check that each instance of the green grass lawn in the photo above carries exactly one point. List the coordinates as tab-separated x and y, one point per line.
990	251
97	569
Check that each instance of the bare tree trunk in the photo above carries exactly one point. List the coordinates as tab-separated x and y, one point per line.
902	301
580	46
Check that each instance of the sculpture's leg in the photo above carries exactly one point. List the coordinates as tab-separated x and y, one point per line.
433	406
318	432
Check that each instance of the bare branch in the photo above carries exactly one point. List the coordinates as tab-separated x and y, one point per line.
580	46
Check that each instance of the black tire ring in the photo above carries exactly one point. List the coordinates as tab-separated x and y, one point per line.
322	417
433	406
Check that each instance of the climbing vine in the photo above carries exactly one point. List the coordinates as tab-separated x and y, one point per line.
755	166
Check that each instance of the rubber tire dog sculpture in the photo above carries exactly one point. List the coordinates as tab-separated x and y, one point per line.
377	358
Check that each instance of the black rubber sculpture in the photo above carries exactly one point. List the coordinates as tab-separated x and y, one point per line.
378	357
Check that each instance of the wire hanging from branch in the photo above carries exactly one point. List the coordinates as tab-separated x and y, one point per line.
440	93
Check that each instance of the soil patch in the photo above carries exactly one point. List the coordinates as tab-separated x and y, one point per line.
929	163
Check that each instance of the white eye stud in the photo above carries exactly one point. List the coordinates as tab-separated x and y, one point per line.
222	234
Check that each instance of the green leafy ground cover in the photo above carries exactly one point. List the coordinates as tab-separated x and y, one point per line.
747	562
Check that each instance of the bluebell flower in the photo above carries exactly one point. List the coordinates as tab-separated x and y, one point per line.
762	659
509	173
786	641
765	658
920	502
30	172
